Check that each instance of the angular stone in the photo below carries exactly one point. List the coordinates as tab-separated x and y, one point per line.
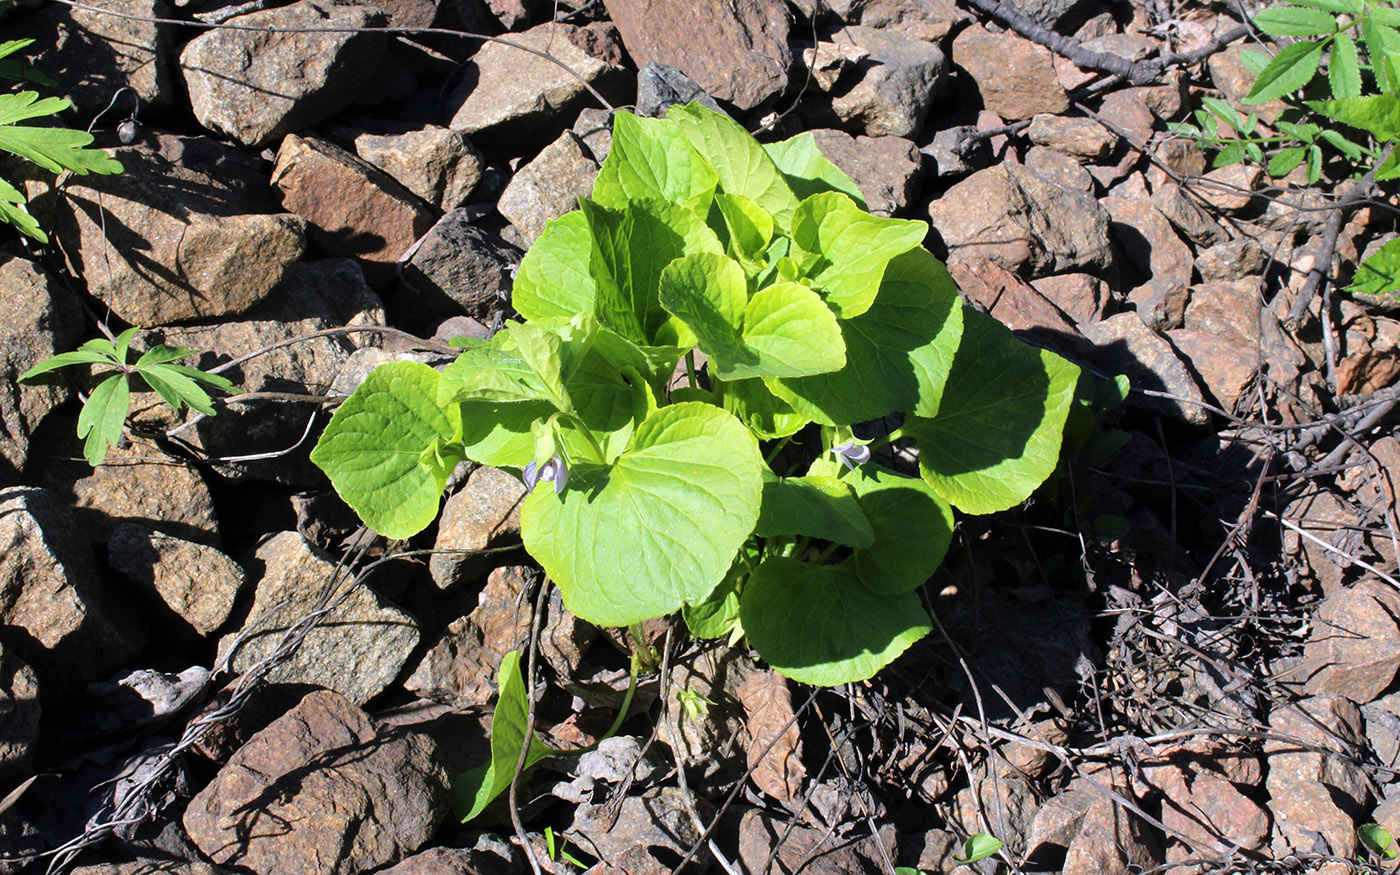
1232	260
457	270
92	53
439	165
827	61
483	513
508	95
1015	76
1226	369
1187	215
956	151
1080	296
928	20
1060	169
1098	836
661	86
357	650
19	716
1235	311
1015	303
265	80
452	861
891	89
1315	794
38	319
1148	240
739	55
1128	346
322	790
594	130
183	233
808	849
152	866
1081	138
1354	647
352	207
658	818
1230	189
548	187
141	483
196	581
1229	74
1022	221
886	169
62	617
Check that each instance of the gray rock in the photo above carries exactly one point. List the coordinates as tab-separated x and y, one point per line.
439	165
508	95
60	616
457	269
1060	169
887	169
736	50
928	20
548	187
353	208
660	86
1015	76
134	700
594	129
19	717
357	650
657	818
152	866
91	53
454	861
955	152
1231	260
256	84
483	513
809	849
1127	346
196	581
892	88
38	319
321	791
185	232
1024	222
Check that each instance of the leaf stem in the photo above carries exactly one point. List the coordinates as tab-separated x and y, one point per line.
598	455
690	368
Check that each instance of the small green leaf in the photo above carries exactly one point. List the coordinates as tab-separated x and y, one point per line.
1295	21
1349	7
65	359
657	529
741	163
54	149
553	279
14	213
978	846
1378	839
913	527
816	506
1344	68
844	250
757	407
370	449
474	789
176	389
717	615
750	228
1283	163
651	159
1380	273
808	171
218	381
103	416
997	434
1291	69
818	624
1314	164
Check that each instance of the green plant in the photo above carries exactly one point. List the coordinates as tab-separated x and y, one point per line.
979	846
54	149
738	488
1378	840
104	412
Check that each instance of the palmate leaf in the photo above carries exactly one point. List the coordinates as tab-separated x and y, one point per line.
54	149
12	212
102	417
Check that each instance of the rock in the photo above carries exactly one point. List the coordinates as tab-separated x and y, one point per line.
1015	76
1229	74
1180	157
548	187
1383	729
1323	515
357	650
956	151
457	269
1060	169
19	717
352	208
1060	15
196	581
58	613
38	319
1187	215
1015	303
1235	311
1316	796
1206	807
1232	260
827	61
92	53
507	95
439	165
1022	221
1080	296
452	861
1353	649
1128	346
1230	189
1161	303
265	80
1080	138
321	790
483	513
657	818
1096	835
661	86
594	130
135	699
698	741
739	54
1148	240
185	232
140	483
886	169
809	850
928	20
891	89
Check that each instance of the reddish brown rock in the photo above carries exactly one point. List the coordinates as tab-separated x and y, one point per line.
1015	76
1148	240
1082	138
1206	805
1013	301
1080	296
1354	647
886	169
1316	788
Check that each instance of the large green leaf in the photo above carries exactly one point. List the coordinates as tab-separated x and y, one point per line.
498	371
553	279
808	171
371	448
742	165
1378	114
843	250
499	434
54	149
913	527
815	506
1291	69
474	789
651	159
818	624
657	529
997	433
897	353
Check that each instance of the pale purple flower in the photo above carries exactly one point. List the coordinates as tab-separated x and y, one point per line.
552	471
852	454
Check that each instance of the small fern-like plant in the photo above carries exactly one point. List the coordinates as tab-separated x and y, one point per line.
55	149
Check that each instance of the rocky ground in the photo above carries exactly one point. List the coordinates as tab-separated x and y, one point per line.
1180	656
